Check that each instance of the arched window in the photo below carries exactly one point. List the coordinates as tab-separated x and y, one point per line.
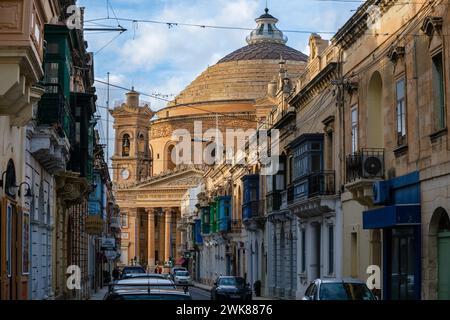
169	159
126	145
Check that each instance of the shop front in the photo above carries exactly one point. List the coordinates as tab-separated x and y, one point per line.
400	222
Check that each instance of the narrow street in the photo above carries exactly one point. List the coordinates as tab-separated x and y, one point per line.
258	150
199	294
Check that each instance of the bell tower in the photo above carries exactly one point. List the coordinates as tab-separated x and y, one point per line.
132	159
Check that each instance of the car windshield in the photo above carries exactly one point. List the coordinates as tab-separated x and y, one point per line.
231	282
133	270
143	276
182	273
150	297
345	291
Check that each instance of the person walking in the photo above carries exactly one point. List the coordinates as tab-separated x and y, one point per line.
116	274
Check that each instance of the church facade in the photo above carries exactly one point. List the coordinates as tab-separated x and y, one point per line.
149	183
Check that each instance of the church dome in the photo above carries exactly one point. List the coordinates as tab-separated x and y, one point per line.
270	51
244	74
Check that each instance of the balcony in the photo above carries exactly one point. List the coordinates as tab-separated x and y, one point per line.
183	223
281	117
273	201
314	195
49	148
321	184
363	168
54	111
21	55
115	223
236	226
224	214
253	215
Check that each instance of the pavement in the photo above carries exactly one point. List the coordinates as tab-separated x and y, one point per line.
208	288
100	294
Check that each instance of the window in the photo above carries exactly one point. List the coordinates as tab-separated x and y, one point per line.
52	77
355	129
330	249
308	157
53	48
124	220
126	145
438	91
303	250
77	132
401	112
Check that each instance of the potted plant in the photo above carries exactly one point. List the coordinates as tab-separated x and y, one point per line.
257	288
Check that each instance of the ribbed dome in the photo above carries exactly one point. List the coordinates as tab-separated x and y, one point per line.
245	73
265	50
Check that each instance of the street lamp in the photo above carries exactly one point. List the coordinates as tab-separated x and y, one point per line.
28	193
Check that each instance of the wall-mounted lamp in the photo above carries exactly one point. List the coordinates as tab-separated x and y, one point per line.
28	193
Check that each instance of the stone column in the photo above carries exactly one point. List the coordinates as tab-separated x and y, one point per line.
178	245
168	225
161	226
151	238
132	252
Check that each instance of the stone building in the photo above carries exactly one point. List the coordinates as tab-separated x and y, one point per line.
395	105
222	97
306	213
27	185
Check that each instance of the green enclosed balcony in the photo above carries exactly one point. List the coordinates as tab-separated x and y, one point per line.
54	111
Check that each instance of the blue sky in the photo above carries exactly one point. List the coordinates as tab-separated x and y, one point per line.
158	59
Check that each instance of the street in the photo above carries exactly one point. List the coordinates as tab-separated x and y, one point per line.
199	294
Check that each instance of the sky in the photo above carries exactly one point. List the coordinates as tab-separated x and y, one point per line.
163	60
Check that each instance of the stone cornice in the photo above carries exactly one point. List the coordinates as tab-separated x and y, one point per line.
315	86
356	26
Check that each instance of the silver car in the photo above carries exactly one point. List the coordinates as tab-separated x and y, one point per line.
182	278
338	289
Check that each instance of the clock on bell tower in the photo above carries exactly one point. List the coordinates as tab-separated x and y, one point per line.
132	159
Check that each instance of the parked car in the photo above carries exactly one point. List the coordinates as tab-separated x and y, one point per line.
231	288
146	288
182	278
175	269
167	276
132	270
143	275
338	289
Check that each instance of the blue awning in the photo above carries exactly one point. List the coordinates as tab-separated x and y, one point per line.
391	216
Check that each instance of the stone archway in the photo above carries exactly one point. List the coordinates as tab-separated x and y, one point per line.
439	255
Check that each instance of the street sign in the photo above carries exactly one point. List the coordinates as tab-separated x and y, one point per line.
108	243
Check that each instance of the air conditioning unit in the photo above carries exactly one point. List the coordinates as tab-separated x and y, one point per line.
380	192
373	165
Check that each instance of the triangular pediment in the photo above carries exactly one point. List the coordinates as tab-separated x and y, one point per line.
187	178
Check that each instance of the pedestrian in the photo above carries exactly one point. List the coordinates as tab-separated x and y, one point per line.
116	274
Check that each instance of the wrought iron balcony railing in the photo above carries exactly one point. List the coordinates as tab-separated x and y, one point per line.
321	183
365	164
